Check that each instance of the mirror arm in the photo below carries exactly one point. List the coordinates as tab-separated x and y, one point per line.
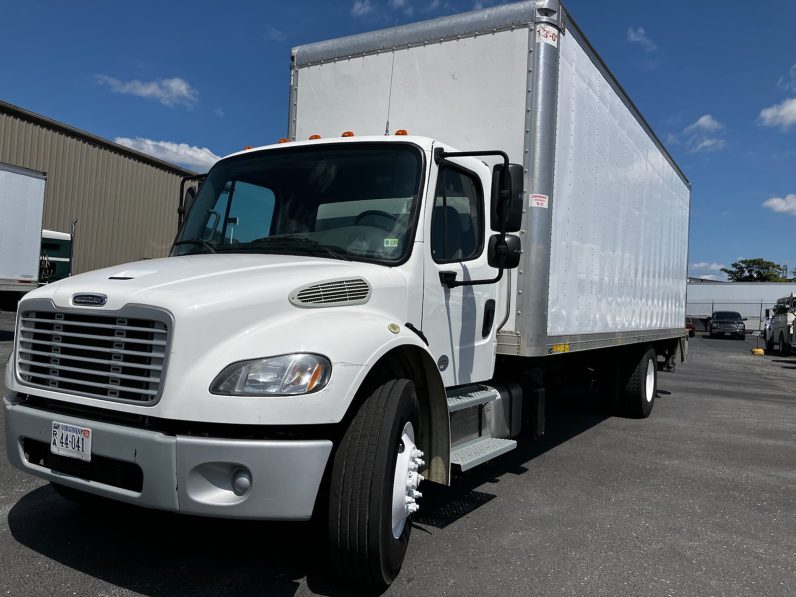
440	155
449	279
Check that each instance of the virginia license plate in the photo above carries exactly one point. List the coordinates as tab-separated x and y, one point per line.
70	440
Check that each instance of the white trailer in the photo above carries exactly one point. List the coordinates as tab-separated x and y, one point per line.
22	209
344	315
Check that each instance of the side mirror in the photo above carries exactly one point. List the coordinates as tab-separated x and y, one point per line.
503	254
511	207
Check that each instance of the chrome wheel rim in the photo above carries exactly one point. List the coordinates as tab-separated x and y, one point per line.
406	479
650	385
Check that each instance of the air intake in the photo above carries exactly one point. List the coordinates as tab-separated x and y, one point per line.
334	293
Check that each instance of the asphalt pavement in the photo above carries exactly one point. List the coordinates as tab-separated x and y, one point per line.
699	499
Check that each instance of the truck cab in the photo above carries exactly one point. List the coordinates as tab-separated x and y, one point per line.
308	282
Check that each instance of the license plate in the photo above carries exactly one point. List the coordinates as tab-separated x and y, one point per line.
72	441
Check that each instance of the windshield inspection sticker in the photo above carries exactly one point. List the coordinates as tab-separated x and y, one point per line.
547	34
391	242
538	200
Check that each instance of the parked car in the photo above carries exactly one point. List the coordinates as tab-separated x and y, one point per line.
727	323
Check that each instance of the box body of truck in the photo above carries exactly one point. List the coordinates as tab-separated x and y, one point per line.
22	209
345	314
605	233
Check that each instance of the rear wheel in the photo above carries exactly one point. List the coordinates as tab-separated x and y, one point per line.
373	491
782	345
640	388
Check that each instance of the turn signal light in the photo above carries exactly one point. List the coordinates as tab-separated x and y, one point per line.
313	137
347	134
401	132
283	140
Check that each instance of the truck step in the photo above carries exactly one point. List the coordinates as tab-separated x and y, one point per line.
472	396
479	450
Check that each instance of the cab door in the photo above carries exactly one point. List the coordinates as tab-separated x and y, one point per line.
459	322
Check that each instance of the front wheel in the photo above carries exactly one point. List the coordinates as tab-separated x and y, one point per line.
374	482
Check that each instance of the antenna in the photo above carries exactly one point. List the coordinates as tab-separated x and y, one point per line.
392	71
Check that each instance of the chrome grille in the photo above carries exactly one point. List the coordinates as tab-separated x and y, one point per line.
113	356
354	291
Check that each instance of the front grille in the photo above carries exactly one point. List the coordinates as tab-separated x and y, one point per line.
107	471
116	356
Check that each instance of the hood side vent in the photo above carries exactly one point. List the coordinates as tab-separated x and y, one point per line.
332	293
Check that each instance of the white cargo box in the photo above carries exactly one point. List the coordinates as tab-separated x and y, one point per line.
22	209
605	234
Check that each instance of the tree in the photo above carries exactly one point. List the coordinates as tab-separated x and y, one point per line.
755	270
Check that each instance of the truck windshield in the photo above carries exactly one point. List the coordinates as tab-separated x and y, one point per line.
345	201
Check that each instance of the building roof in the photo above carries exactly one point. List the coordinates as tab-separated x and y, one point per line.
49	123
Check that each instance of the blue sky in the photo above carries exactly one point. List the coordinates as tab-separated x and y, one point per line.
190	81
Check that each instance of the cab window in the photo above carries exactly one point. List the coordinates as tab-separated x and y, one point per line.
457	220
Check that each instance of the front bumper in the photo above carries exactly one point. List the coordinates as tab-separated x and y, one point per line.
192	475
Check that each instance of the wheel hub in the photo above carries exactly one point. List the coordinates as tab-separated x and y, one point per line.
406	480
650	381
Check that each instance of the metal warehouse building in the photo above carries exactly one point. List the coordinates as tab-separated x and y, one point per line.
750	299
125	202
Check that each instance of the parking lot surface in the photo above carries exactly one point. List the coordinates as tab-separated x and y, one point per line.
699	499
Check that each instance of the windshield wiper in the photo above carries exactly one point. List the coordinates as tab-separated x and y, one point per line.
199	242
290	240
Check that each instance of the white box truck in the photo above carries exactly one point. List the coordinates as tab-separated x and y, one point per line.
349	312
22	209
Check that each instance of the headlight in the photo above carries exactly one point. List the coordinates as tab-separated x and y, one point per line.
286	375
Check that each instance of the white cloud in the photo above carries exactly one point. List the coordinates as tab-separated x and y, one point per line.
403	6
637	35
713	277
360	8
169	92
178	153
711	267
219	112
709	144
788	81
781	115
786	205
702	135
274	34
705	123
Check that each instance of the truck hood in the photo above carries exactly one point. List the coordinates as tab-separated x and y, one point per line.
209	284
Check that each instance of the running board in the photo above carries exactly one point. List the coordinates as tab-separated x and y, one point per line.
479	450
459	400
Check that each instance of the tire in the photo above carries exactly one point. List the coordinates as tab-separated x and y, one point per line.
782	344
641	386
367	543
769	346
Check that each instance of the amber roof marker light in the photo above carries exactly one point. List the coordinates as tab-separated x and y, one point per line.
401	132
313	137
283	140
347	134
